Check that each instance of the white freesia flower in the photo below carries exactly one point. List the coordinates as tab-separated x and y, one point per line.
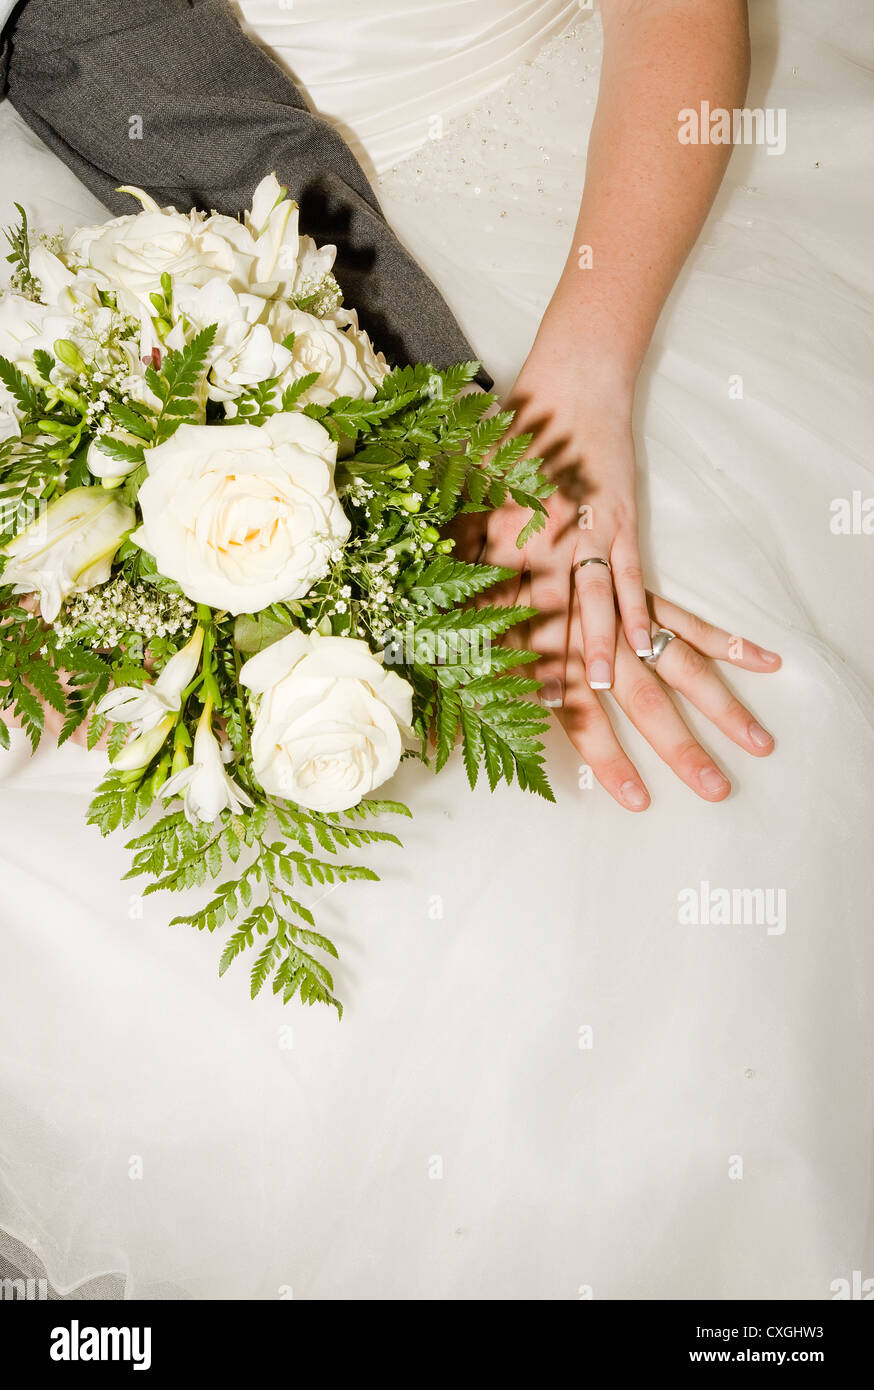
141	750
343	357
77	316
53	276
314	263
288	265
244	350
266	198
242	516
10	425
102	464
69	548
330	722
206	787
134	251
145	708
21	321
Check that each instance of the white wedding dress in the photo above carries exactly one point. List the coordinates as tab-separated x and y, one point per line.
544	1086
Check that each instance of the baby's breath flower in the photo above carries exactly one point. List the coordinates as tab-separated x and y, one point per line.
105	615
319	295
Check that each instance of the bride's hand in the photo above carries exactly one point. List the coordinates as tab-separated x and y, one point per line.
582	431
642	692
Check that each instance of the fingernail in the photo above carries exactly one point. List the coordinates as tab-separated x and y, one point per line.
633	795
712	780
643	642
770	658
600	675
759	736
551	693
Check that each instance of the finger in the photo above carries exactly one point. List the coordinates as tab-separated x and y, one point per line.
519	636
630	593
501	550
589	729
504	595
713	641
651	709
502	534
550	595
469	530
53	723
597	609
685	670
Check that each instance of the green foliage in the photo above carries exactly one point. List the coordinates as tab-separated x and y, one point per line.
22	278
178	381
412	459
258	903
346	418
419	434
36	671
134	421
445	582
255	405
19	386
292	394
418	416
120	452
501	729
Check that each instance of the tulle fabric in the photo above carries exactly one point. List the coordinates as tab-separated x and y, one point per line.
544	1086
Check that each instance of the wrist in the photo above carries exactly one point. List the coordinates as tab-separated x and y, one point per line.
588	372
577	348
582	333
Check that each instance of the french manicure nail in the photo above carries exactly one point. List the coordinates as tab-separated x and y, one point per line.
712	780
551	693
643	642
759	736
600	675
633	795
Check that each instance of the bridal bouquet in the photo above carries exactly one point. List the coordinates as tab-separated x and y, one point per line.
222	547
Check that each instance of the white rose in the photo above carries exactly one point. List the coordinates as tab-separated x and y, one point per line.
68	549
343	357
242	516
133	252
330	722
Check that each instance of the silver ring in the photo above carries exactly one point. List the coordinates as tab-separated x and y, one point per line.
594	560
660	639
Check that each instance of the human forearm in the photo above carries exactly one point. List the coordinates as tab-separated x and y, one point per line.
646	195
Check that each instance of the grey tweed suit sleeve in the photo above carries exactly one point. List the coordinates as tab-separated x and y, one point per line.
215	114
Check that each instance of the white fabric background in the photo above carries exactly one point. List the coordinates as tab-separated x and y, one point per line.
269	1168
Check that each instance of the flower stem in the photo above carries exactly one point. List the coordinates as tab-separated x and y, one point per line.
210	684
